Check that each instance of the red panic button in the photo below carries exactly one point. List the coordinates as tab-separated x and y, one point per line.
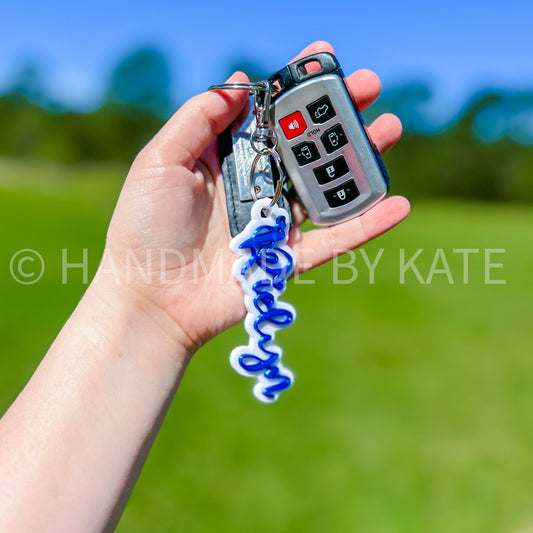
293	125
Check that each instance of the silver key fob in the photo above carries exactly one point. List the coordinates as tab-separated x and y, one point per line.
335	168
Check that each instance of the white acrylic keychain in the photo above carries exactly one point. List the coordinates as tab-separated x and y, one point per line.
265	263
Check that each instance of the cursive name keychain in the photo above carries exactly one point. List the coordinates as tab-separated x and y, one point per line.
264	264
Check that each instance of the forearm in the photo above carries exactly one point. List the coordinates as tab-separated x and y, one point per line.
72	444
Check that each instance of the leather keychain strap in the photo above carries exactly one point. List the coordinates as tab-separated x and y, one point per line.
239	208
255	172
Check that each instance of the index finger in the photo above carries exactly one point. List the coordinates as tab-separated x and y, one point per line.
196	123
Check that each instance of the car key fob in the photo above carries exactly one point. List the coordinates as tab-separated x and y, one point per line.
334	166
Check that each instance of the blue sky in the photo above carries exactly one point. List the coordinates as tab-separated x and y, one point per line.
456	46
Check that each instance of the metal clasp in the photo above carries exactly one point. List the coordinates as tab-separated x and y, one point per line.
263	140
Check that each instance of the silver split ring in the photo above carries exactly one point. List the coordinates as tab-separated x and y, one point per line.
279	184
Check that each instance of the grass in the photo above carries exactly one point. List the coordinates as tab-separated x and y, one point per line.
411	410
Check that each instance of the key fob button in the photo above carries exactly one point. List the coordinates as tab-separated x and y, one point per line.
342	195
305	153
331	171
321	110
293	125
334	138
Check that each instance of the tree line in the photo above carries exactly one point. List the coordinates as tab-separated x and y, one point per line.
486	152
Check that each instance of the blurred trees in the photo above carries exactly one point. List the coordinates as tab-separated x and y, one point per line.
486	153
28	84
29	131
136	103
140	85
477	156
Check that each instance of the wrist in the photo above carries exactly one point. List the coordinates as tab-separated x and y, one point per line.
97	398
139	326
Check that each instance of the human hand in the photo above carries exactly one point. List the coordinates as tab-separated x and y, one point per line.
168	239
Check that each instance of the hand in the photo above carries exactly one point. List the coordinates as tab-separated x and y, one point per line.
169	234
163	289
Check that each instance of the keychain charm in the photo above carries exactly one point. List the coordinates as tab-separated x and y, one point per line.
265	262
264	265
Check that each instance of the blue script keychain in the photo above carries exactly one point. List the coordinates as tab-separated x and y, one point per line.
264	264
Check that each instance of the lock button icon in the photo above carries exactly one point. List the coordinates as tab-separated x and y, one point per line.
342	195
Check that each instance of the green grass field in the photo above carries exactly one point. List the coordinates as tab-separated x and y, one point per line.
412	407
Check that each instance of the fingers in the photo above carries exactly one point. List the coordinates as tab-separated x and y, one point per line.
318	246
314	48
299	214
192	128
364	87
385	131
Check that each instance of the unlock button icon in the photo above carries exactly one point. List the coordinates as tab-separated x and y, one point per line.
342	195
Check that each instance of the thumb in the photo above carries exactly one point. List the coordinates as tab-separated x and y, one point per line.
192	128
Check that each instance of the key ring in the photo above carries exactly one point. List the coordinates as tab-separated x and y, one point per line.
263	135
243	86
279	185
262	94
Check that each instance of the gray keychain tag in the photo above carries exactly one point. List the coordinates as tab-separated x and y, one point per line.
236	154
